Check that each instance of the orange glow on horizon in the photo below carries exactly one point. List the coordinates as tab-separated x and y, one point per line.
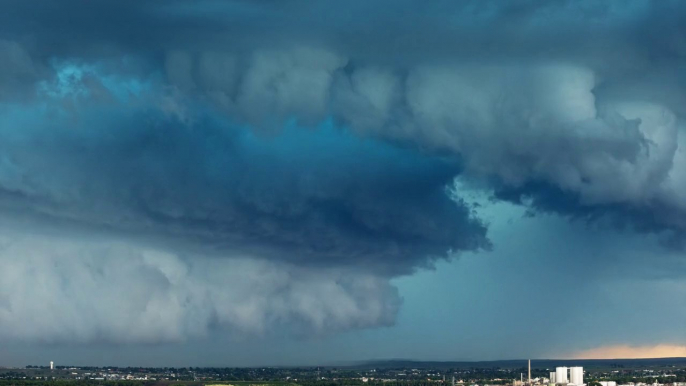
630	352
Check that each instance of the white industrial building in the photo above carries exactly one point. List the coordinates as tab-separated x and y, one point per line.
568	376
576	375
561	375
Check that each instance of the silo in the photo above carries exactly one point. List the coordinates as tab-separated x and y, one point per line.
561	375
576	375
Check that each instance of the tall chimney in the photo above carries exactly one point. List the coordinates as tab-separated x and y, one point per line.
529	371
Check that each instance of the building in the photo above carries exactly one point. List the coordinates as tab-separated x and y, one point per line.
568	376
52	365
561	375
576	375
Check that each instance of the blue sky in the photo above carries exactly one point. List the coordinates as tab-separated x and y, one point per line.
269	183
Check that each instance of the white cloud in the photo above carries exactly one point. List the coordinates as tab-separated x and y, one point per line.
60	290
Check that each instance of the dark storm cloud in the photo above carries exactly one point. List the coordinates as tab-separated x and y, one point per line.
586	96
650	218
115	190
634	33
321	138
311	197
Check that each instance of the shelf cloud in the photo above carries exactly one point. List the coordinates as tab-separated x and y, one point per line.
251	166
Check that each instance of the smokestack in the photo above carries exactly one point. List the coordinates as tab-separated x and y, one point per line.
529	371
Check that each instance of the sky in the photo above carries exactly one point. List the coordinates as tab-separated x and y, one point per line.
250	183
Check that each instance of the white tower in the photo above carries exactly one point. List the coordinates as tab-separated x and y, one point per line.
52	365
576	375
561	375
552	377
529	378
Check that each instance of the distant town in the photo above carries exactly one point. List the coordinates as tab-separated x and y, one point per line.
655	372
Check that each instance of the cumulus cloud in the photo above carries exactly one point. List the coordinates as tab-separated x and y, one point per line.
512	124
544	124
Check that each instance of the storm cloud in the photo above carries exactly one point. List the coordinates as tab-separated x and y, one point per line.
129	166
119	292
316	143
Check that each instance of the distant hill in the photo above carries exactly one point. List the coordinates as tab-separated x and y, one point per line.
519	363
